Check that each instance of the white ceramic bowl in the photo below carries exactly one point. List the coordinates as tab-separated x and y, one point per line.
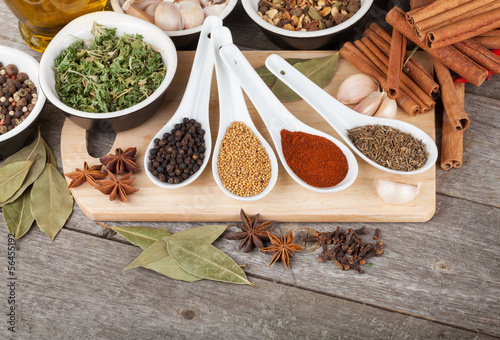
305	40
13	140
185	38
80	28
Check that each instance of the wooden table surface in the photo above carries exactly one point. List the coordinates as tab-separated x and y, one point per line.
439	279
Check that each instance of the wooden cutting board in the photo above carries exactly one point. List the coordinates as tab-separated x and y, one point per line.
288	201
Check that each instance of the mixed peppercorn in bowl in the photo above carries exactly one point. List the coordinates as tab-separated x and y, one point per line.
21	99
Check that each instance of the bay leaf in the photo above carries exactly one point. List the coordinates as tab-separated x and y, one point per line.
268	77
168	267
28	153
50	154
205	233
153	253
51	201
12	177
318	70
204	260
158	249
17	215
141	237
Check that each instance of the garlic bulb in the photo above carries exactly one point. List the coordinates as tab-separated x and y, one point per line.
168	17
174	15
355	88
395	192
387	109
192	14
370	104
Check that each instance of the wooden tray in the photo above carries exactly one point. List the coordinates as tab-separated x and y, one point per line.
288	201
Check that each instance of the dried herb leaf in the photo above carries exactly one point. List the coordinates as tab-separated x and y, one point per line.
12	177
168	267
268	77
204	260
17	215
28	153
158	249
318	70
50	154
141	237
51	201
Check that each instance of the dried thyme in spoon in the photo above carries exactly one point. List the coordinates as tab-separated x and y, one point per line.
108	74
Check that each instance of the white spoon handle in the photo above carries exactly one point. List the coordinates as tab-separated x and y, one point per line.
337	114
273	113
196	97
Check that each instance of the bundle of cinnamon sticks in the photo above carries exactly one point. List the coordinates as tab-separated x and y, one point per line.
384	58
445	22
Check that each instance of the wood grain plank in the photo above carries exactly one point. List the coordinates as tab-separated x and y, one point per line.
75	288
288	201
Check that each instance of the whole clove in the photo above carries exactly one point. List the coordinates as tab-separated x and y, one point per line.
348	250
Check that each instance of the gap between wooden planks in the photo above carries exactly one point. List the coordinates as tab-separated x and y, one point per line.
288	201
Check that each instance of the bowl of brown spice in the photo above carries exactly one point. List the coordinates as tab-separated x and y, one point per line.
21	101
306	24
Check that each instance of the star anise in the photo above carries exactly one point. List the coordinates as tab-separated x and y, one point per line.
114	187
90	175
121	162
283	248
251	233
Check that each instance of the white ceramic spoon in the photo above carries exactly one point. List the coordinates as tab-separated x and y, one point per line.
277	117
194	103
341	117
232	108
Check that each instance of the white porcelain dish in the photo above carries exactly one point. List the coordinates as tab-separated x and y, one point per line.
13	140
232	108
80	28
341	117
194	102
182	38
277	117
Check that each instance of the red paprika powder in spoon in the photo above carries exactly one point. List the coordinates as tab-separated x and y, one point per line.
314	159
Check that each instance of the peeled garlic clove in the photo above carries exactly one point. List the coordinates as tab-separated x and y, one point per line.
136	12
192	14
356	88
214	9
395	192
370	104
387	109
168	17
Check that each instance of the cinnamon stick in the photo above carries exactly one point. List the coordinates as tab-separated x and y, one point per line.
412	67
452	141
407	85
435	8
464	29
414	4
450	56
464	11
360	61
479	54
488	42
396	60
455	112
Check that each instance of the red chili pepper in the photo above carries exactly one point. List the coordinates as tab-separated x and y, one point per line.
463	80
2	122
